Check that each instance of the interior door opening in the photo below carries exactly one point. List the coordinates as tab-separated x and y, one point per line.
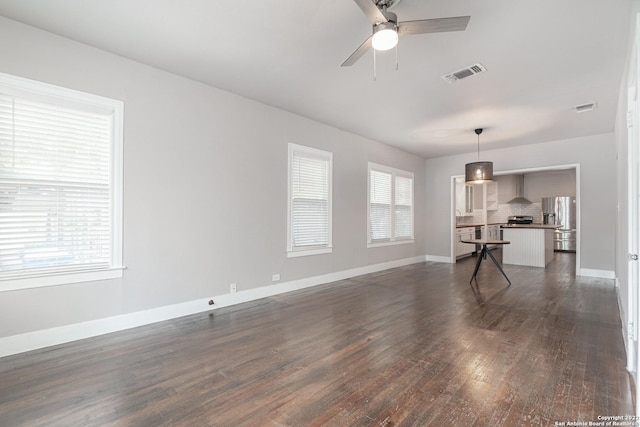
486	210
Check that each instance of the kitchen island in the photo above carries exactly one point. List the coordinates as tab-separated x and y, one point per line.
531	244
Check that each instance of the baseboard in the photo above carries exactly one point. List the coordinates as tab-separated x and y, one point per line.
49	337
626	333
59	335
601	274
436	258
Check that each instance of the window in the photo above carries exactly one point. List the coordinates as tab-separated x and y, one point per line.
390	206
309	213
60	185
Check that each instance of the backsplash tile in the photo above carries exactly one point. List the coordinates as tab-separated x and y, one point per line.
503	212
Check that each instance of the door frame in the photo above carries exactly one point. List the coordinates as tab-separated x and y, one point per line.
575	166
633	209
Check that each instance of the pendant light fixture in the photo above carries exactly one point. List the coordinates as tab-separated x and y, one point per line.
478	172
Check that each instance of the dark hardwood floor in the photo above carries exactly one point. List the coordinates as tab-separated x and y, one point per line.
411	346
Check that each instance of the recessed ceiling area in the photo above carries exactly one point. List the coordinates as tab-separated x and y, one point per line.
542	59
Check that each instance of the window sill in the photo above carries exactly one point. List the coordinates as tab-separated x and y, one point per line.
60	279
308	252
389	243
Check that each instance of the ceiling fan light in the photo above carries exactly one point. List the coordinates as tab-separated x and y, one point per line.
385	36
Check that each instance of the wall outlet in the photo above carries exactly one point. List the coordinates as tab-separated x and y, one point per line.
233	288
275	277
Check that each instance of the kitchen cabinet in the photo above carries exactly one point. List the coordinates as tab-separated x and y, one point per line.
491	189
477	201
464	198
465	233
492	196
493	233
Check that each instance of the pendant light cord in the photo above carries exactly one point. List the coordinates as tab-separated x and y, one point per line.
478	132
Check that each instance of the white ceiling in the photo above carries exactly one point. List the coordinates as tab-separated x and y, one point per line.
542	57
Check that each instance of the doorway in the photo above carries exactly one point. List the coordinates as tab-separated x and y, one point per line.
501	216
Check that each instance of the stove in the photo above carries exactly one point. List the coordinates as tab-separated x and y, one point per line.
520	219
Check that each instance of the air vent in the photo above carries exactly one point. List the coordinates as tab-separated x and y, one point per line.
464	73
585	107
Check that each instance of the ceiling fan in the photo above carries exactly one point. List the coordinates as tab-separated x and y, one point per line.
386	27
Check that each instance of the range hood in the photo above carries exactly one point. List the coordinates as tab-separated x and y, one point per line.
519	199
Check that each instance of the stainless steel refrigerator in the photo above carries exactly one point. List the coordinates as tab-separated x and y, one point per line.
561	211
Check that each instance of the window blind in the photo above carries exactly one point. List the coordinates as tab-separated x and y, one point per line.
55	193
310	200
379	204
390	205
403	207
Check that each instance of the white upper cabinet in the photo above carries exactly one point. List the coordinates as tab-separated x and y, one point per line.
464	198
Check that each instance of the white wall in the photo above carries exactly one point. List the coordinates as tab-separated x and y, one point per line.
596	156
538	185
205	188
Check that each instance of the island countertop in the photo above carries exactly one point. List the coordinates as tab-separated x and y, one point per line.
478	225
539	226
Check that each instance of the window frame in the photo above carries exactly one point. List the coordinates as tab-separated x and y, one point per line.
47	93
300	251
392	240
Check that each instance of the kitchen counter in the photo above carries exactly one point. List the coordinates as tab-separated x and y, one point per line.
478	225
535	225
531	244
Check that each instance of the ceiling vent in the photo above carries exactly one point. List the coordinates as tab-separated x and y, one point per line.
464	73
585	107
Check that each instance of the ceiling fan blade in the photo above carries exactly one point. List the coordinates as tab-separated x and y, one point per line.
438	25
370	9
364	47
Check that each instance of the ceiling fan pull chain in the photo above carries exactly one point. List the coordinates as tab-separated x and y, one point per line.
374	65
396	57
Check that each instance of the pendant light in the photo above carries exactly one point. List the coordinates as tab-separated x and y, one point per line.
478	172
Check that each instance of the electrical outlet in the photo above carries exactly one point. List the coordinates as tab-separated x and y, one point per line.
275	277
233	288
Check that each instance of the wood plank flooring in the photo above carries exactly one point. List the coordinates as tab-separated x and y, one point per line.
411	346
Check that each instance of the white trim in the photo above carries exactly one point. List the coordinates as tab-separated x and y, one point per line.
436	258
625	328
302	252
60	279
48	337
292	251
389	243
601	274
57	95
454	222
117	187
393	172
45	92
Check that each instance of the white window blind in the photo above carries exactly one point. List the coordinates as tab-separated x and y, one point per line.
404	207
57	210
380	205
390	205
310	200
